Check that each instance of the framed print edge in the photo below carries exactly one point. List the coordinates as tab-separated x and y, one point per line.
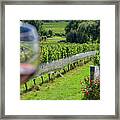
117	56
2	65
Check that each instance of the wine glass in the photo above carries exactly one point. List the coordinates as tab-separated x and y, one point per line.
29	51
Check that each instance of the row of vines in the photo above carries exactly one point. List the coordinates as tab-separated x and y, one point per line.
51	52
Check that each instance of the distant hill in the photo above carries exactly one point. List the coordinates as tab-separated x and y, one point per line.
55	26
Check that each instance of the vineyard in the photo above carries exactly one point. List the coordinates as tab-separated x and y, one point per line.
63	72
61	63
51	52
50	70
67	87
56	27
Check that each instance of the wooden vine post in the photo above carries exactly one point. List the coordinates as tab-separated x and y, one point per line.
49	76
68	67
94	72
42	79
26	86
34	81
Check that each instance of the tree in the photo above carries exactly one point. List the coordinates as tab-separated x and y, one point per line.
44	33
83	31
72	36
72	25
89	30
50	33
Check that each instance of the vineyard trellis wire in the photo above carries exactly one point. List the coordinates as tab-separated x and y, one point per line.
52	67
59	64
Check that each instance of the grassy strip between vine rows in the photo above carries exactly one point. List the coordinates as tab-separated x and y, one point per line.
67	87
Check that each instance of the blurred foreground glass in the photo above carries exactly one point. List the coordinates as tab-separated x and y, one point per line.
29	51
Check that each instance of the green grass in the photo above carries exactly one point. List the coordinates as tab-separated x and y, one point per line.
62	88
54	39
56	27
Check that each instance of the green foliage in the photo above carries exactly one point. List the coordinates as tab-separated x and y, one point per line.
76	32
44	33
72	37
50	33
58	51
89	30
54	40
96	59
57	27
72	25
90	89
84	31
25	52
62	88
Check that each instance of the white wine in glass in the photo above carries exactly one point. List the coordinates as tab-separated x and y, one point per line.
29	51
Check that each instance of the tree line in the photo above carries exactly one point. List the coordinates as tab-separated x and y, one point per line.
84	31
76	31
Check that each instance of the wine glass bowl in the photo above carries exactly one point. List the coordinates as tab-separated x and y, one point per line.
29	51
